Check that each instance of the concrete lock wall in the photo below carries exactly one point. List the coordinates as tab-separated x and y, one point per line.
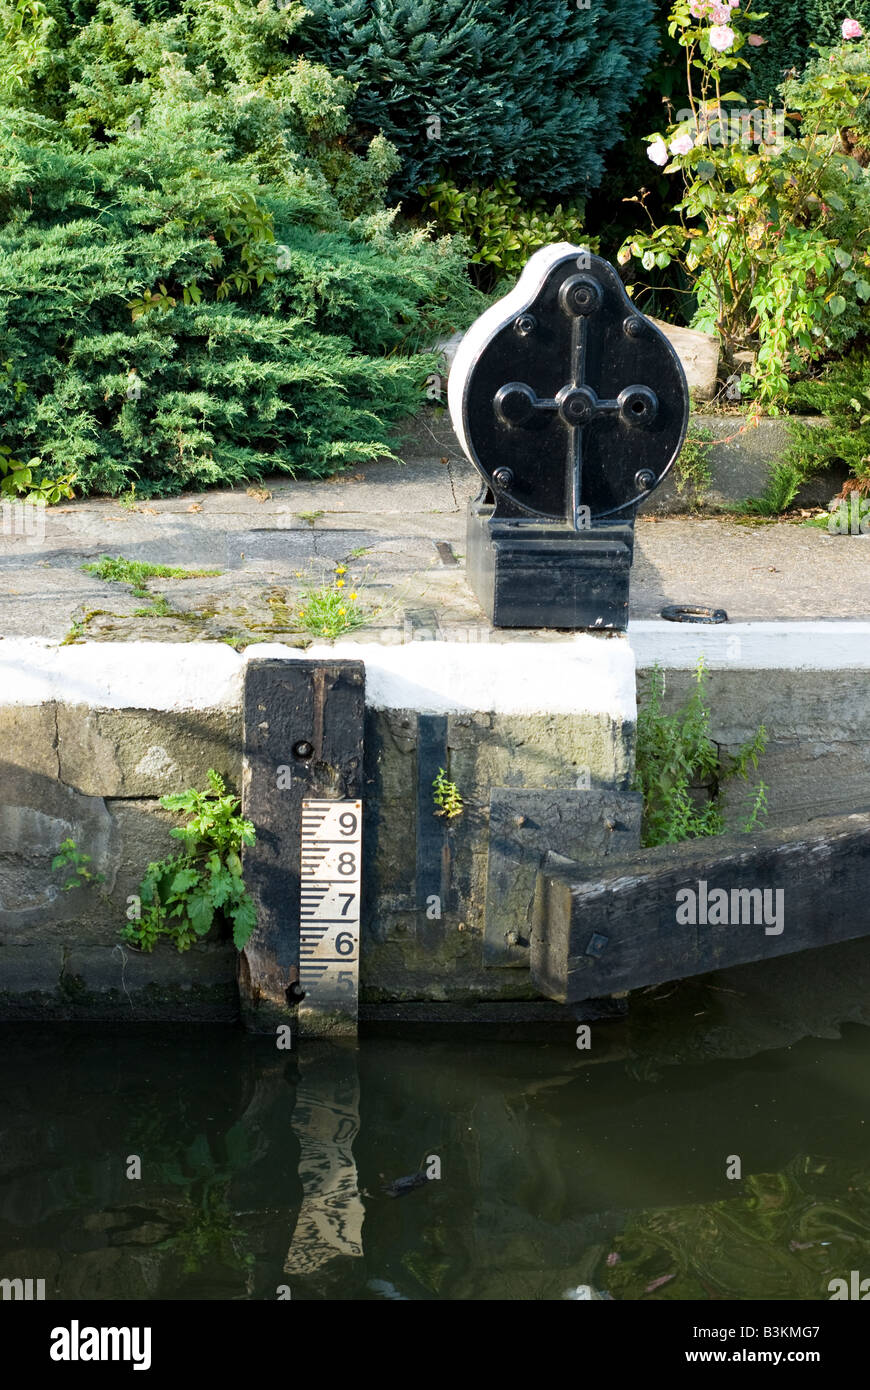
806	682
538	738
93	736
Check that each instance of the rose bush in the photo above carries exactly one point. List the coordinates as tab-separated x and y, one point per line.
773	233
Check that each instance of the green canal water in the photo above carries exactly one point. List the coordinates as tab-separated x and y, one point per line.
264	1171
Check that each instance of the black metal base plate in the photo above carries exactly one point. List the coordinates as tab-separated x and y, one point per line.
548	576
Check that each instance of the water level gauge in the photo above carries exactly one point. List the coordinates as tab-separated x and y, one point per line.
329	927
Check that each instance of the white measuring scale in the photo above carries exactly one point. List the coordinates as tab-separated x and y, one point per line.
329	926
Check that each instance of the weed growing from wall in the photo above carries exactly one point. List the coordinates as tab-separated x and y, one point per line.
681	772
183	896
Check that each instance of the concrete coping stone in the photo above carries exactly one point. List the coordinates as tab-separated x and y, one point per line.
765	646
586	673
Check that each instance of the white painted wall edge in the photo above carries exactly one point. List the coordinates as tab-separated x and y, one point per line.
120	675
585	674
763	646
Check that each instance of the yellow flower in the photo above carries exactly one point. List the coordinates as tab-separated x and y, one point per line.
342	611
353	595
341	569
339	583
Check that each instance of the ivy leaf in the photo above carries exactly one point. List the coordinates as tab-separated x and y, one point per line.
837	305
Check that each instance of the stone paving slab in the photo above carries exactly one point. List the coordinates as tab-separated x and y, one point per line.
400	531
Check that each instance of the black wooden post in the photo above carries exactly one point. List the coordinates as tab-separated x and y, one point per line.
680	910
303	739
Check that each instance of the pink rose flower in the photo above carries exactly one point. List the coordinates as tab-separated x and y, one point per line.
658	152
755	40
721	13
852	29
682	144
699	8
721	37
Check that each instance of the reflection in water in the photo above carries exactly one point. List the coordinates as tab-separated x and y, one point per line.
208	1234
326	1123
261	1170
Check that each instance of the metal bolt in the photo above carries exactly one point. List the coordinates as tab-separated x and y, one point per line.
577	404
525	324
519	820
503	477
512	938
303	749
580	295
644	479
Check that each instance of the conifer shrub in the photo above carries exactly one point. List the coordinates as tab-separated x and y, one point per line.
475	90
200	283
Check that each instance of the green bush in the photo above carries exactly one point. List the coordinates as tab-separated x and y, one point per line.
199	282
503	229
533	91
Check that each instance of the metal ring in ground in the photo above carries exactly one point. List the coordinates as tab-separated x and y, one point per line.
693	613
